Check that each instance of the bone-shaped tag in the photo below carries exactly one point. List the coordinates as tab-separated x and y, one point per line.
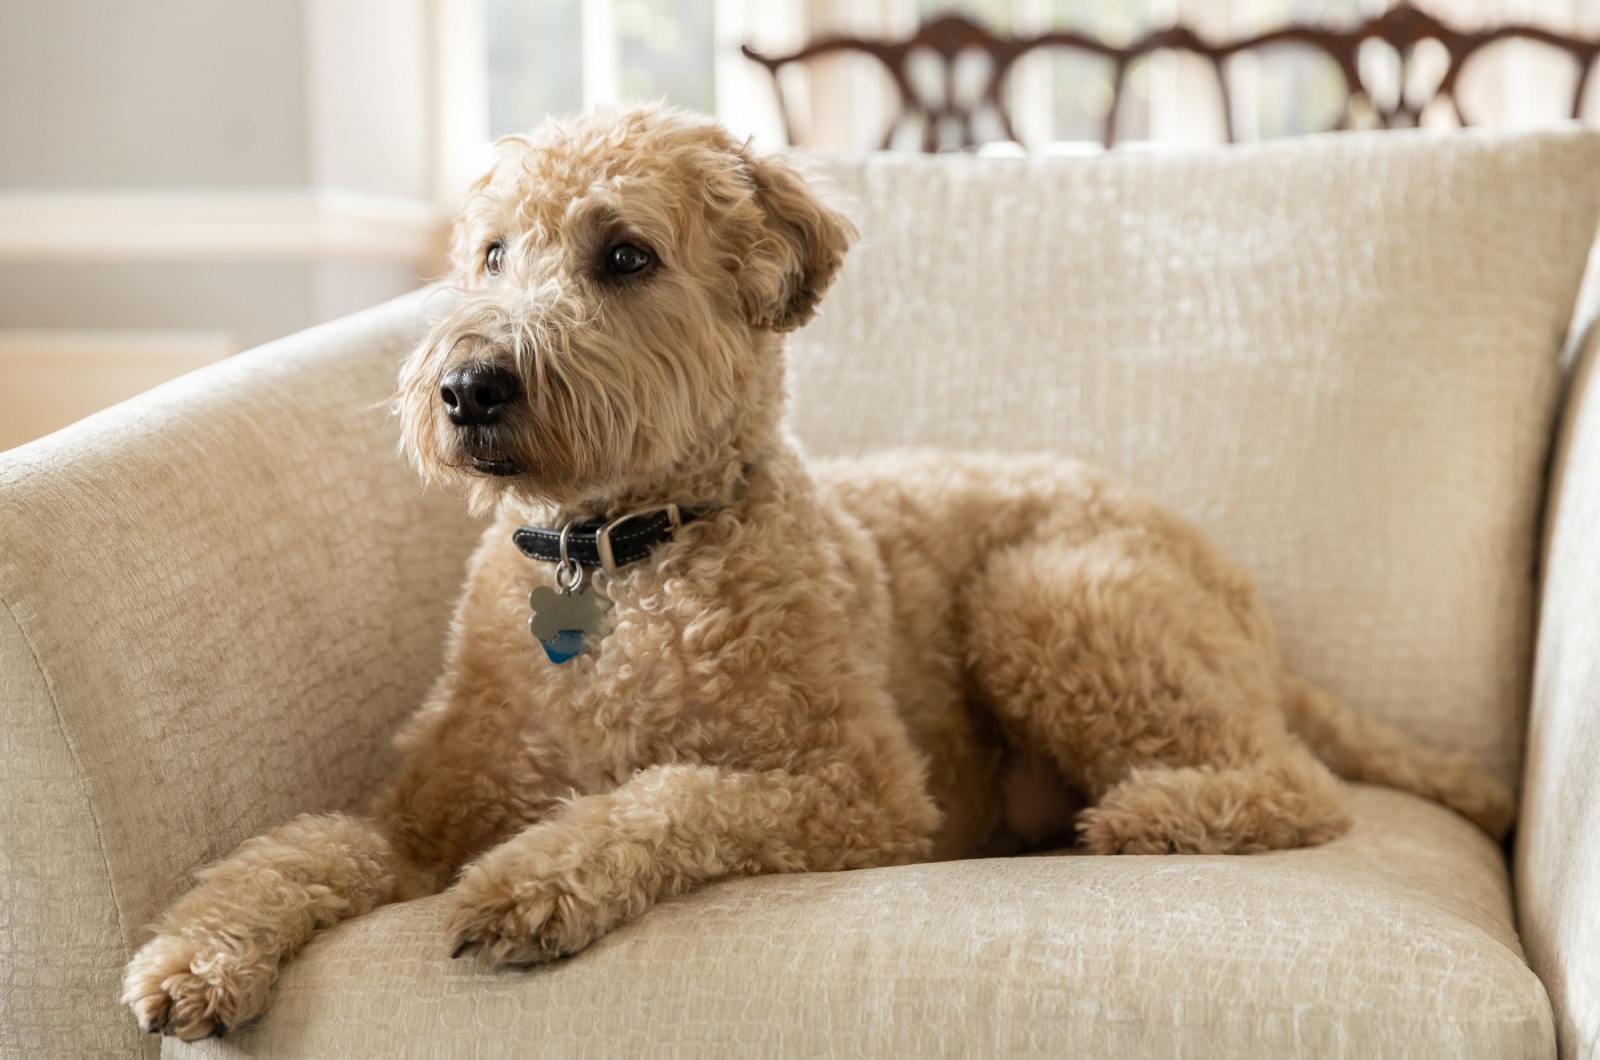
565	626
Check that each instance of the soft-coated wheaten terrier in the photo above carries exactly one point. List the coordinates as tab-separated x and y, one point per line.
742	663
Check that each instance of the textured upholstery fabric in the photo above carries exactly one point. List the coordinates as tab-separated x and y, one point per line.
1339	355
1393	942
1558	838
218	601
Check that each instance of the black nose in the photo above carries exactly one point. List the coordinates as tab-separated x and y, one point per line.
475	394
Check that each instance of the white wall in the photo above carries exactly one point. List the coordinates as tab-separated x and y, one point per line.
212	106
147	147
168	93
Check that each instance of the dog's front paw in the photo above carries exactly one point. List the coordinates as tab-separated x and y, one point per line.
178	988
513	908
1111	833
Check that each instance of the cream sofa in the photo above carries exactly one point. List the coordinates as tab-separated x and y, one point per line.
1344	356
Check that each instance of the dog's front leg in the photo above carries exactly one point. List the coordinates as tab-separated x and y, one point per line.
559	885
217	950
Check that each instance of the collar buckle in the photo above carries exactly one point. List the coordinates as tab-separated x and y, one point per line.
608	561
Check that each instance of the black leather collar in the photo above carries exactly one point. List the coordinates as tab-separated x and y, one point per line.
631	537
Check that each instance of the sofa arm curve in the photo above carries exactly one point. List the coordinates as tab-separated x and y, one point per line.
1557	863
219	601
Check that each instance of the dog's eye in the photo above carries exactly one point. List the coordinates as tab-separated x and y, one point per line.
494	257
625	259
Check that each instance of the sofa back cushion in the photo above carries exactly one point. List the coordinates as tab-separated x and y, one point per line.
1339	355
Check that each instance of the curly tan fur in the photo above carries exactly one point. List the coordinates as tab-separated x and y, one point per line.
913	656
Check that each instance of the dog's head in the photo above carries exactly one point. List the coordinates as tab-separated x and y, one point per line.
621	277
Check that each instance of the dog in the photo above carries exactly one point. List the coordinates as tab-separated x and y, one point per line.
684	653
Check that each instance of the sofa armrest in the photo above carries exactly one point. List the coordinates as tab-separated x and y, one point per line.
1557	864
216	603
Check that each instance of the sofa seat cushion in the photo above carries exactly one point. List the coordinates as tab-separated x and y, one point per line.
1394	941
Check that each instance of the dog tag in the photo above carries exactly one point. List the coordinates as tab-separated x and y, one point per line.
565	624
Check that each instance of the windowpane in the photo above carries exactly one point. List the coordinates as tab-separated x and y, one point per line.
535	62
666	51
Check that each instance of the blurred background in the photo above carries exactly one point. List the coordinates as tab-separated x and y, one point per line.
183	179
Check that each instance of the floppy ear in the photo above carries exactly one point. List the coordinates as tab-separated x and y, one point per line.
802	244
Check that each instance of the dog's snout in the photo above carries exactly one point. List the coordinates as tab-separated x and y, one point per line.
475	394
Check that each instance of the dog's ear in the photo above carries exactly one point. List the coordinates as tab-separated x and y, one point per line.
802	245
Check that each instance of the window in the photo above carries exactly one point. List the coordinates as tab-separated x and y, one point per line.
555	56
558	56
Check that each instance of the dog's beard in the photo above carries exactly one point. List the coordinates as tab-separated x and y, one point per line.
533	449
603	412
484	450
539	454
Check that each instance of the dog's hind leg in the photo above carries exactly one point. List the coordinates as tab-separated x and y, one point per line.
1232	810
218	949
1145	668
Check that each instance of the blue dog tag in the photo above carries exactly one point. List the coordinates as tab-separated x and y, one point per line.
565	645
565	624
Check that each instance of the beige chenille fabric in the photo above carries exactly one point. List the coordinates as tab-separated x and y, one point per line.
217	601
1339	355
1394	942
